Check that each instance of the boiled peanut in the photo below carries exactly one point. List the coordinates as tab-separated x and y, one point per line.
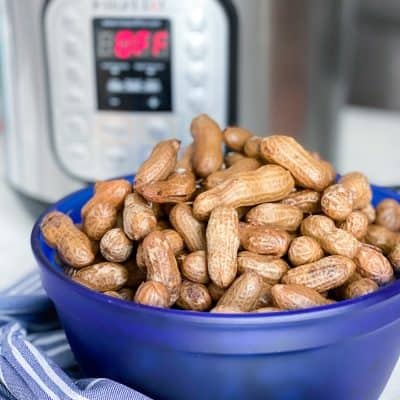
115	246
356	223
268	310
159	165
370	212
52	225
174	240
222	236
191	230
152	293
374	265
252	147
122	294
180	258
265	297
262	240
309	172
355	277
333	240
100	219
339	292
113	293
215	291
388	214
194	267
135	275
295	297
184	163
73	246
100	213
316	155
358	184
140	257
194	296
161	263
233	157
309	201
359	288
324	274
244	292
139	218
337	202
394	257
244	165
304	250
102	277
179	187
275	215
266	184
126	293
207	135
381	237
235	137
111	192
225	310
270	268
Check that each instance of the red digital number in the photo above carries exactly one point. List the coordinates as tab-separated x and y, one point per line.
129	43
123	43
141	43
159	43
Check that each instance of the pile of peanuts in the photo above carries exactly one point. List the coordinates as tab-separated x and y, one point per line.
264	228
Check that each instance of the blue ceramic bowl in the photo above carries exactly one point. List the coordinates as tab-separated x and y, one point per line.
342	351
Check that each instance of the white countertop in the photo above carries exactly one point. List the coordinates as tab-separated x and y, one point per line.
16	224
17	259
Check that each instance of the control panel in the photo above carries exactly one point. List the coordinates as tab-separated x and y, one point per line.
124	75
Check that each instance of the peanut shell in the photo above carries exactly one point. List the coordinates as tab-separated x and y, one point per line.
153	294
102	277
222	245
270	268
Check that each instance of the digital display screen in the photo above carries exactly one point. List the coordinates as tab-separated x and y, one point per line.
133	64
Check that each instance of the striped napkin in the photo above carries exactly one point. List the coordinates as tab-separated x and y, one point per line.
36	361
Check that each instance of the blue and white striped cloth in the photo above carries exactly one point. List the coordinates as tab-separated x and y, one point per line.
36	361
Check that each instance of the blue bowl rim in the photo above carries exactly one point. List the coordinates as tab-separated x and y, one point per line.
312	313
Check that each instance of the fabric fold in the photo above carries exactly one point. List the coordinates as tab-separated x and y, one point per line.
36	361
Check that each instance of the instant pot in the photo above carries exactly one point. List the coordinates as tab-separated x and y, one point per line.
91	85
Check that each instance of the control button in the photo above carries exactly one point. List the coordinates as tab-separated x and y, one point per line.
71	46
197	99
197	19
77	151
116	154
74	95
133	85
152	86
153	102
158	130
114	101
69	18
115	85
114	131
196	73
73	75
76	129
196	46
